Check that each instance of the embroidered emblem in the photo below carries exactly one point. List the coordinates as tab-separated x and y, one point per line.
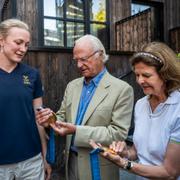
26	80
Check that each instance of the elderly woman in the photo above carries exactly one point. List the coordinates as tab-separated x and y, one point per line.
156	150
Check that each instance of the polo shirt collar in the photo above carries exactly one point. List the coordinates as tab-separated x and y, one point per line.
173	98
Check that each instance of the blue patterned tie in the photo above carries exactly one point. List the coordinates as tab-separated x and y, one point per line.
95	169
50	155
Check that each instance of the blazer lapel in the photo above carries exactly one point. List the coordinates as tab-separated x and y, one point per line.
100	93
76	98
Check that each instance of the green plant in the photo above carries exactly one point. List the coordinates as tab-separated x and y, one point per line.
178	55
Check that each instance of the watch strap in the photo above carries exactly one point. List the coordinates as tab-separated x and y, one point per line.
128	165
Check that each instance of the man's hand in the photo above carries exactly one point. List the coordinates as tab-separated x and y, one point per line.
63	128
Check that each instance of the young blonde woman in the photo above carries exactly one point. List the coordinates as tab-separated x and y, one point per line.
22	150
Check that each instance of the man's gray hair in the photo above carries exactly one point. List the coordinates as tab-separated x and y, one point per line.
96	44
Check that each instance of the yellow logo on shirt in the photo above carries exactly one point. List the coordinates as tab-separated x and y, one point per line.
26	80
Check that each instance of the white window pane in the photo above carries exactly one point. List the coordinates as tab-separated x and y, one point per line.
53	32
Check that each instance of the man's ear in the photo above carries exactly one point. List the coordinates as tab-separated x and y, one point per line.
1	40
1	43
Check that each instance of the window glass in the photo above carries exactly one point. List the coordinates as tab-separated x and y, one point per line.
75	9
53	8
137	8
67	20
97	29
53	32
74	31
98	10
100	31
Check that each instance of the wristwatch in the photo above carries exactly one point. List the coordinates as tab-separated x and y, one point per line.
128	165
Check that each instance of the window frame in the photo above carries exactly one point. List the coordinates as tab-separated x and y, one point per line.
159	16
86	22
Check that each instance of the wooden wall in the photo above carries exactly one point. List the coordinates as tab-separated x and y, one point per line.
119	9
171	16
2	2
56	71
170	19
6	9
133	32
27	10
174	37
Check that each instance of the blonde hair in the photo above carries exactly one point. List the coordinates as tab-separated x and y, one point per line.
6	25
164	59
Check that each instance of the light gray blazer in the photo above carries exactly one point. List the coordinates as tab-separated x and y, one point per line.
107	119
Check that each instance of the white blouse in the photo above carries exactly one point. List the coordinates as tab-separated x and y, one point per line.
154	130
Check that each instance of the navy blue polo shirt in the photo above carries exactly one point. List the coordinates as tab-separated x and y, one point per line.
19	137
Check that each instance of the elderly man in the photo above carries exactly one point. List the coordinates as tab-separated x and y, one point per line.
96	106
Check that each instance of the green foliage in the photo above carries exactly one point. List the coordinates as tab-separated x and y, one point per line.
178	55
100	16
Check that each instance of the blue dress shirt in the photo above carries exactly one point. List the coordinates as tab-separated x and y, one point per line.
86	96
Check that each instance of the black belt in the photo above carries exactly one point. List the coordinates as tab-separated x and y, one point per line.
73	151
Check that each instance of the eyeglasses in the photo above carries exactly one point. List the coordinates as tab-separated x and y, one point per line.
84	59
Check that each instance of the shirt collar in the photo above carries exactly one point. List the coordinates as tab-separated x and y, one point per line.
174	97
97	78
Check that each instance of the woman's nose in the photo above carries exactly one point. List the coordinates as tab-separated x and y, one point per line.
23	48
140	80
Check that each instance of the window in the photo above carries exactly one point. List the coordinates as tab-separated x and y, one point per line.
66	20
137	8
156	8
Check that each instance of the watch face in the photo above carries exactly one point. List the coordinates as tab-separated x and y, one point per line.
129	165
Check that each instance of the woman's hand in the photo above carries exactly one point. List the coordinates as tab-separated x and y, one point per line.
48	170
110	154
43	115
120	148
